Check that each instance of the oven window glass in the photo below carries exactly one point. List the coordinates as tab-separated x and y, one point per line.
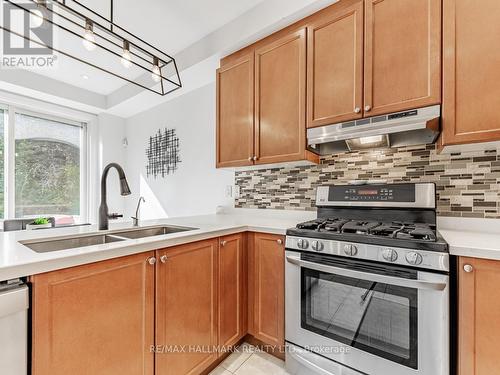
374	317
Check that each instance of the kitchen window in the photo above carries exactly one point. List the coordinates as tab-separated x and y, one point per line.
42	167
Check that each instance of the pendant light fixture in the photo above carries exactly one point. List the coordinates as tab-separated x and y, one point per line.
106	41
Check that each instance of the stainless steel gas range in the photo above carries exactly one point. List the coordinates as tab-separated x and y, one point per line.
367	284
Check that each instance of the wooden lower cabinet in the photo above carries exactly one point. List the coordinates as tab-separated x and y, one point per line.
163	312
186	308
266	288
232	286
478	313
94	319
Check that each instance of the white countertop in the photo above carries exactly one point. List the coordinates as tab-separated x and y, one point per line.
479	238
475	238
17	260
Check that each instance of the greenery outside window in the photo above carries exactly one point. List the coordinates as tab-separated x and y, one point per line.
42	172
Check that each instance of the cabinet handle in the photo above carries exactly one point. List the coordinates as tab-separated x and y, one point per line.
368	108
357	110
250	158
223	243
468	268
255	158
163	259
280	241
152	261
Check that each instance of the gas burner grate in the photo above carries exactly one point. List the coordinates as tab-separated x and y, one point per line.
397	230
420	232
310	225
329	224
333	225
359	227
387	230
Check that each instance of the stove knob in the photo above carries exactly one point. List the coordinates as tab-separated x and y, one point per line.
302	244
317	246
350	250
414	258
390	255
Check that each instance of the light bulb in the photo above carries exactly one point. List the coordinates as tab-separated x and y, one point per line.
88	42
156	73
36	18
126	59
89	37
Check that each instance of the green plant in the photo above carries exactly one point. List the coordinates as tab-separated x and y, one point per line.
41	221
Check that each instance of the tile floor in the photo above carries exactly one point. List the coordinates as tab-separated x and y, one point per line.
248	360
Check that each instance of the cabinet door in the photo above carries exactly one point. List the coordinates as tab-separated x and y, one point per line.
267	288
402	55
471	71
280	92
235	113
232	301
94	319
335	67
186	308
479	309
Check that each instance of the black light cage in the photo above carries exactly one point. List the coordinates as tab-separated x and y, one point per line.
109	37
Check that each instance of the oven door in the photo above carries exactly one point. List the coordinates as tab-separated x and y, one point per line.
375	318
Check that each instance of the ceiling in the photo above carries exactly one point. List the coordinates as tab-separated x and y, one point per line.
171	26
175	24
197	32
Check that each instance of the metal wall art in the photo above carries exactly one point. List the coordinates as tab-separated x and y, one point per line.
163	153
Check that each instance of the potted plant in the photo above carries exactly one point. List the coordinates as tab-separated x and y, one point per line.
39	223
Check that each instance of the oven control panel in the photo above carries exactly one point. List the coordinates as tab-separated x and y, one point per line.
422	195
395	193
395	255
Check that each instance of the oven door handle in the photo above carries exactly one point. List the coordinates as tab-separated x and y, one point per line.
309	364
409	283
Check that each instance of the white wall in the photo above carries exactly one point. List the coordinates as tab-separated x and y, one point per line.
106	137
111	133
197	187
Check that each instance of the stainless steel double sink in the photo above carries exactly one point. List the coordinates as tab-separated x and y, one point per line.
91	239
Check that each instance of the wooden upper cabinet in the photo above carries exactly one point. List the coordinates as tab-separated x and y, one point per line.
402	55
232	290
186	308
471	68
94	319
335	67
478	312
235	113
280	95
266	262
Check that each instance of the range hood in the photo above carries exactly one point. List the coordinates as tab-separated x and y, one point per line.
414	127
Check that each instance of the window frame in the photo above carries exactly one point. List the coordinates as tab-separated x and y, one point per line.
5	109
9	157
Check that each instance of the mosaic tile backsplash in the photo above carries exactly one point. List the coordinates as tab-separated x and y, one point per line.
467	183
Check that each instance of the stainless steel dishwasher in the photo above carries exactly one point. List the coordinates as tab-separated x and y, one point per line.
14	303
